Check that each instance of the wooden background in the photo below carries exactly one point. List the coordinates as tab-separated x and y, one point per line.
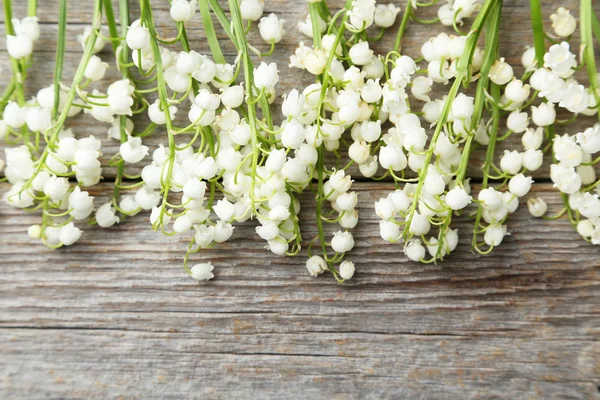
116	316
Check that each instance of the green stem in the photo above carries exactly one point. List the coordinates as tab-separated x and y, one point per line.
489	157
60	55
31	8
315	21
112	27
537	24
209	32
8	92
319	206
462	73
222	17
242	45
587	40
492	50
320	160
164	104
596	27
405	18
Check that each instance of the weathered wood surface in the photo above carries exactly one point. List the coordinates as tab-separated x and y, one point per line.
116	316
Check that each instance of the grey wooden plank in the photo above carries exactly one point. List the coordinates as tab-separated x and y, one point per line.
116	314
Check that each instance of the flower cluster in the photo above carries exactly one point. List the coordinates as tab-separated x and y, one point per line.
575	156
228	157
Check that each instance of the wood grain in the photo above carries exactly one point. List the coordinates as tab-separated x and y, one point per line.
115	316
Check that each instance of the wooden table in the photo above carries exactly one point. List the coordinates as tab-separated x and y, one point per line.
116	316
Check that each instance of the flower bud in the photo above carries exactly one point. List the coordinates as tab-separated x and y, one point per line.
446	14
532	138
520	185
232	96
271	28
587	174
56	188
359	151
369	167
160	216
585	228
251	10
360	54
266	76
69	234
432	111
34	232
38	119
347	201
421	85
389	231
14	116
517	121
563	23
138	37
589	140
393	158
566	179
511	162
532	159
19	46
385	15
95	69
316	265
501	72
517	92
133	151
490	198
494	235
414	250
347	270
342	242
293	134
528	59
182	10
202	272
537	206
462	106
419	225
105	216
458	198
157	115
